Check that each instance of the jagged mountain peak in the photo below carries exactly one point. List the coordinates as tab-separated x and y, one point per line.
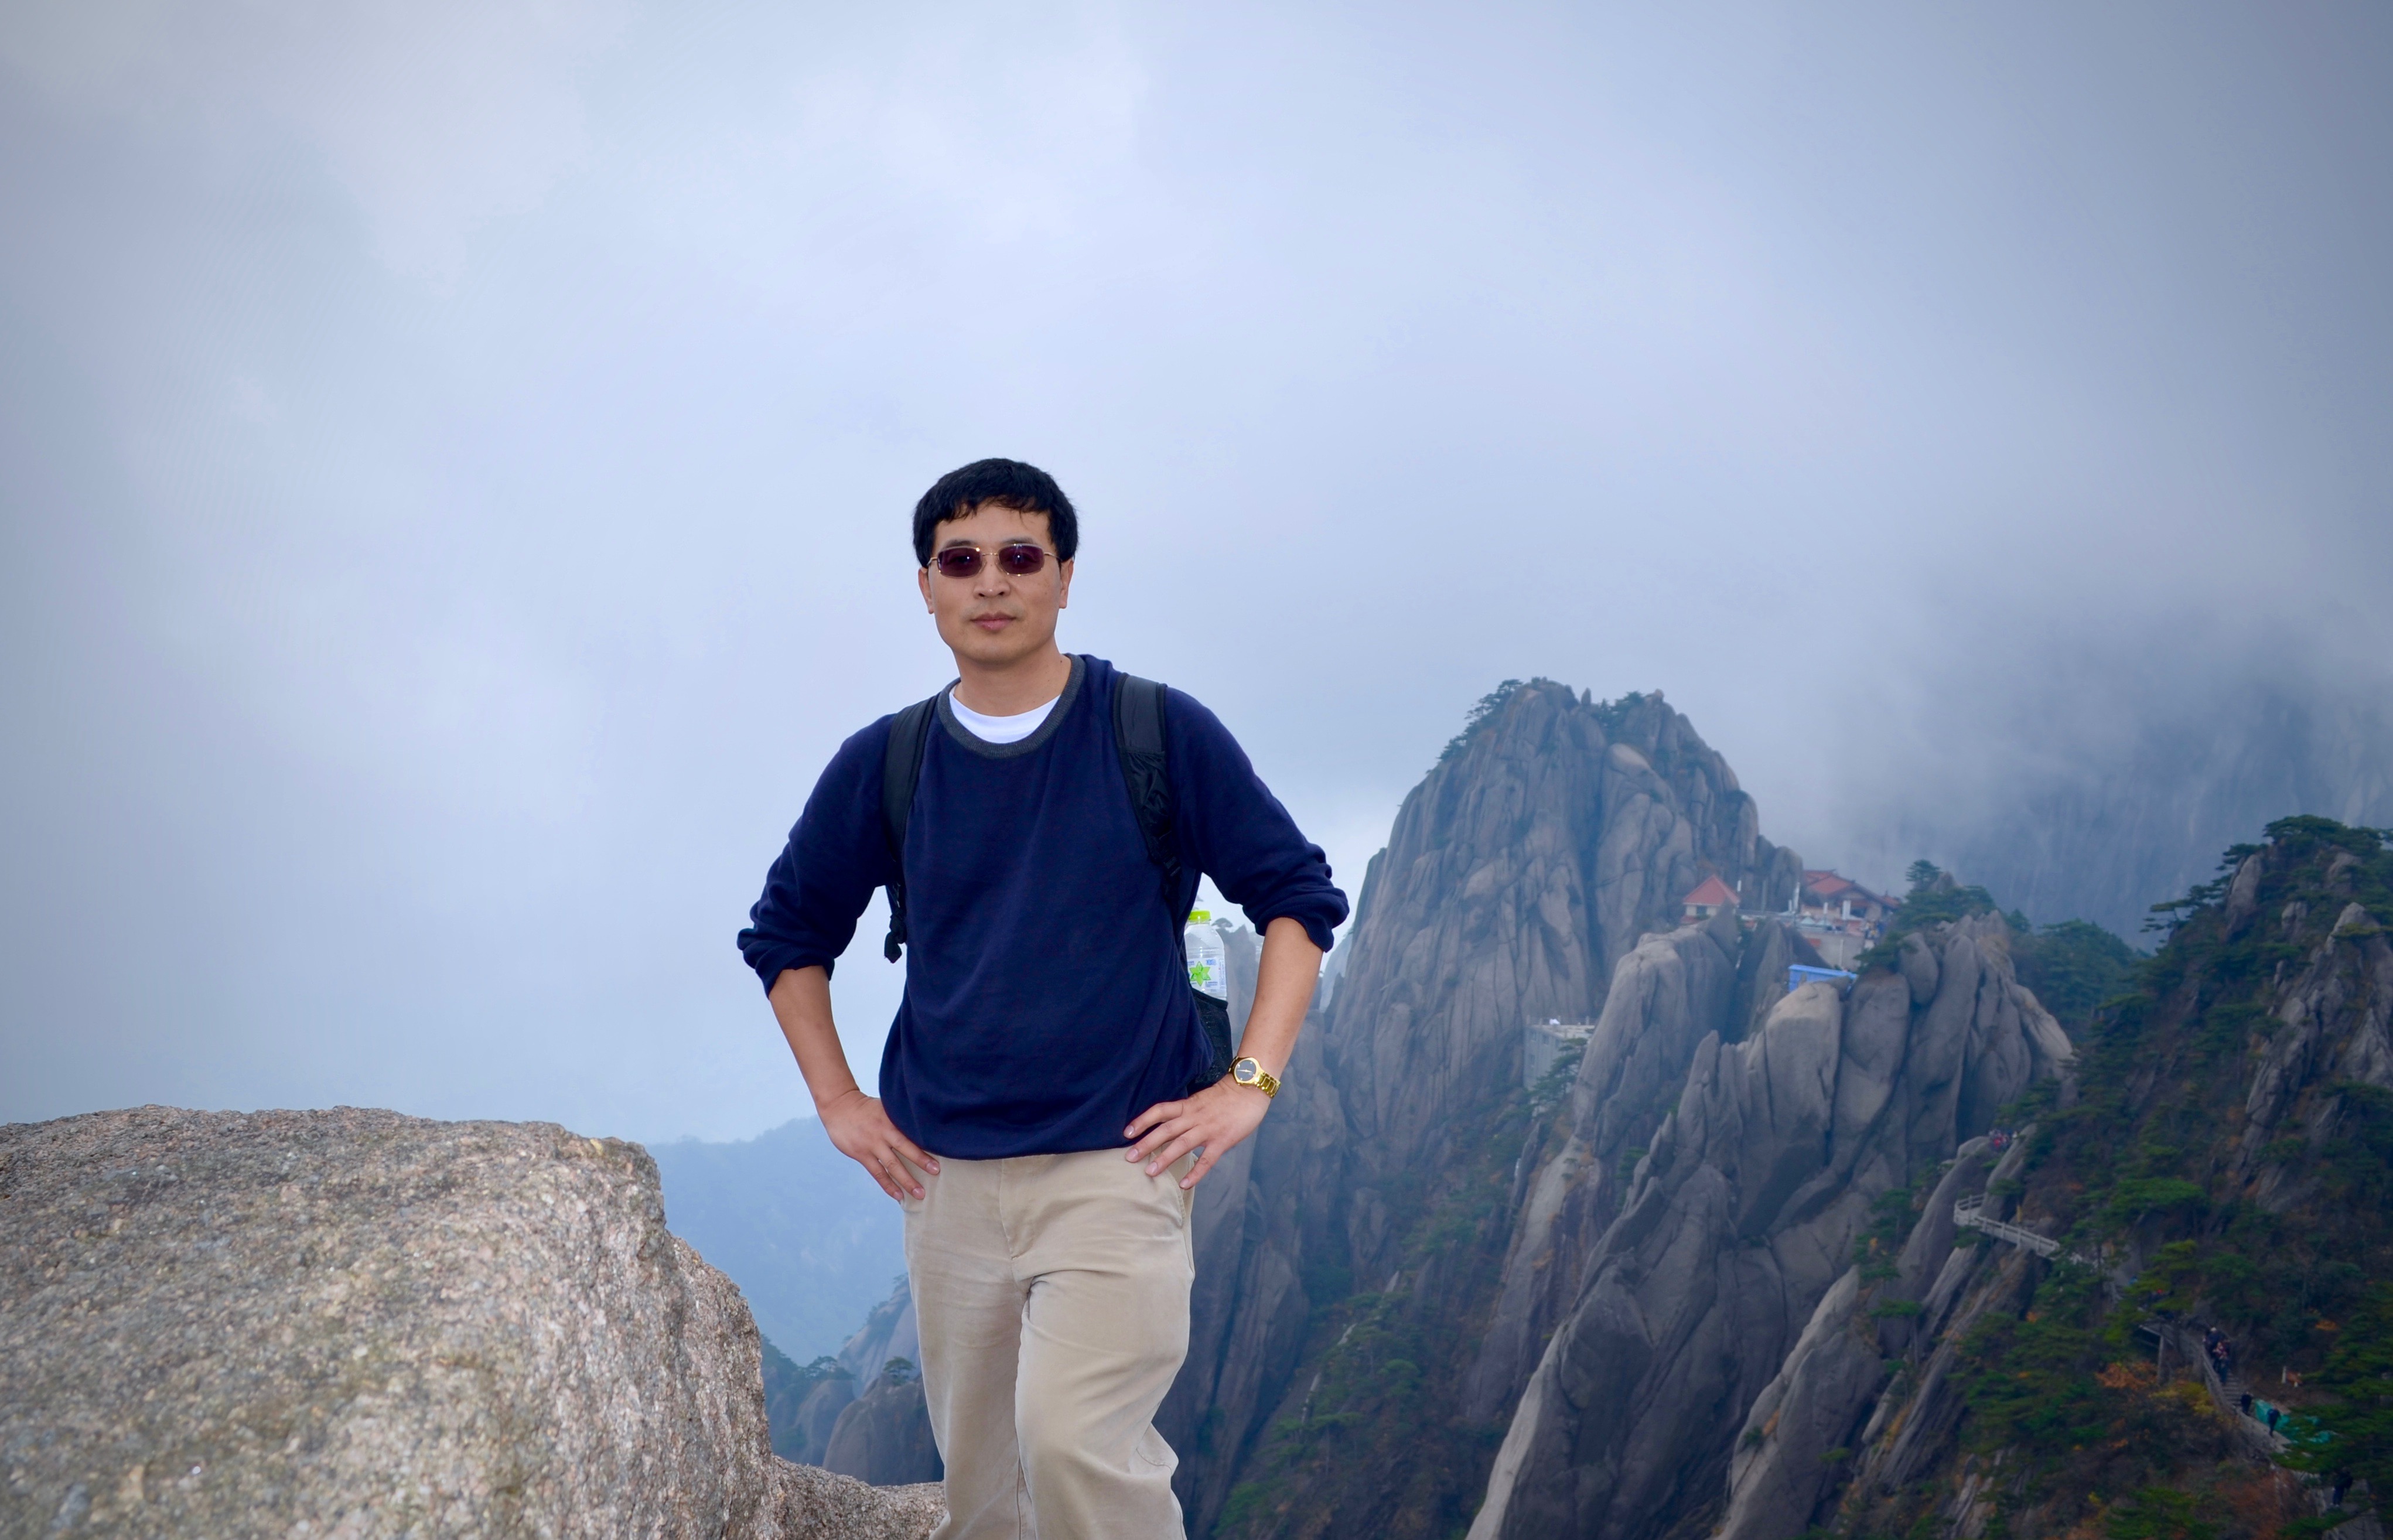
1519	872
1555	839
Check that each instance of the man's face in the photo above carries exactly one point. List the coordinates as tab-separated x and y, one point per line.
994	617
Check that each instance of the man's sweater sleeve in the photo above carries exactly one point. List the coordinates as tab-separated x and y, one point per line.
1233	830
837	855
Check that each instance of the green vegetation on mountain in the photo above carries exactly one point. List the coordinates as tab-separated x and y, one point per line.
2357	1412
1379	1430
787	1385
2222	1157
2072	966
1482	713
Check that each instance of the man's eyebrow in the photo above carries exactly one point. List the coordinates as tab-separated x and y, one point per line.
954	540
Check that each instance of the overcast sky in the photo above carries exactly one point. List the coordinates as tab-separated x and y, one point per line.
454	458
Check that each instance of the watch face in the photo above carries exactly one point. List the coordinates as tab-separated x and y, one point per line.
1245	1071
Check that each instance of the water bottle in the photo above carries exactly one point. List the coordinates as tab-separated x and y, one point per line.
1209	960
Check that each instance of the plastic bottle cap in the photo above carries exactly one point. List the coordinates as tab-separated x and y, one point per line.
1200	917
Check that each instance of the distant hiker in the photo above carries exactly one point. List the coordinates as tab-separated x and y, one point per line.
1041	826
2244	1406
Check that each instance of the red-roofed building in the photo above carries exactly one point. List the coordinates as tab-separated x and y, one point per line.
1839	916
1829	895
1710	896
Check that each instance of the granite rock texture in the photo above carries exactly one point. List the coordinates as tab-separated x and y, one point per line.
350	1322
818	1418
1794	1452
1910	1430
1520	873
1667	996
1705	1294
883	1436
2320	1036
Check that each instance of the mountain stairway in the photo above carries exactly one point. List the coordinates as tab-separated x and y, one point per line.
2227	1391
1970	1213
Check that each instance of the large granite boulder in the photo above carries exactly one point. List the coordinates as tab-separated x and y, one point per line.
355	1324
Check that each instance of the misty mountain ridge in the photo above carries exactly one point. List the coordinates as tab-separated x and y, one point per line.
806	1235
2093	809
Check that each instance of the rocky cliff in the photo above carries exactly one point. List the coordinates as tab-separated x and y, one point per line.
1654	1293
2224	1171
353	1323
883	1436
1350	1255
1667	996
1741	1218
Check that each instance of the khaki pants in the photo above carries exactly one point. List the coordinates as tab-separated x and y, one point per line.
1052	1292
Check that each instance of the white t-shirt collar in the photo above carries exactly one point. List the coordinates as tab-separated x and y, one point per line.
999	729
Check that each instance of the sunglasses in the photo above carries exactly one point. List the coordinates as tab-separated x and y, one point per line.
1017	560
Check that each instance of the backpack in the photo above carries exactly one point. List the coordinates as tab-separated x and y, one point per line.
1138	742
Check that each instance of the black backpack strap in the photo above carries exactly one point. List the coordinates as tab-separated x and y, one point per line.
1138	738
901	769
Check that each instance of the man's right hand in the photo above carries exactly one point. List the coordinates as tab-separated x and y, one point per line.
861	1130
857	1126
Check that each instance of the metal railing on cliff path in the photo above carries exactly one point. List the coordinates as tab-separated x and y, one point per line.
1969	1212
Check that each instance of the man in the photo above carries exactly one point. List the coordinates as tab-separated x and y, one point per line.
1047	1024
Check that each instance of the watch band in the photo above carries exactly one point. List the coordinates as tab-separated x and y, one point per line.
1246	1072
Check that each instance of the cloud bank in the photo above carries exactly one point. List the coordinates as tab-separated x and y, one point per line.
456	459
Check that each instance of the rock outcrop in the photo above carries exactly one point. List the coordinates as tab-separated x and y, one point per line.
1796	1444
2334	1025
1666	997
2244	1074
888	1332
883	1436
1520	873
807	1426
807	1440
357	1323
1910	1424
1741	1221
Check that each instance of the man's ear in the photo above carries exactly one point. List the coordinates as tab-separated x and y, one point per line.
1064	593
923	580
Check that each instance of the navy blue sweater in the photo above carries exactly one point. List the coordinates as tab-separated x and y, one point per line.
1045	1002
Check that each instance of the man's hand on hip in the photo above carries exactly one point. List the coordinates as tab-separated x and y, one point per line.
1214	1119
862	1131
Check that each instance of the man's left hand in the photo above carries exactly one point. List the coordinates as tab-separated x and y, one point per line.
1213	1120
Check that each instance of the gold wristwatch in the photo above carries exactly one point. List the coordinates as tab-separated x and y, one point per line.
1246	1072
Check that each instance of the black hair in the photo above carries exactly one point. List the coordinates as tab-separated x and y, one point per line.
1007	483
